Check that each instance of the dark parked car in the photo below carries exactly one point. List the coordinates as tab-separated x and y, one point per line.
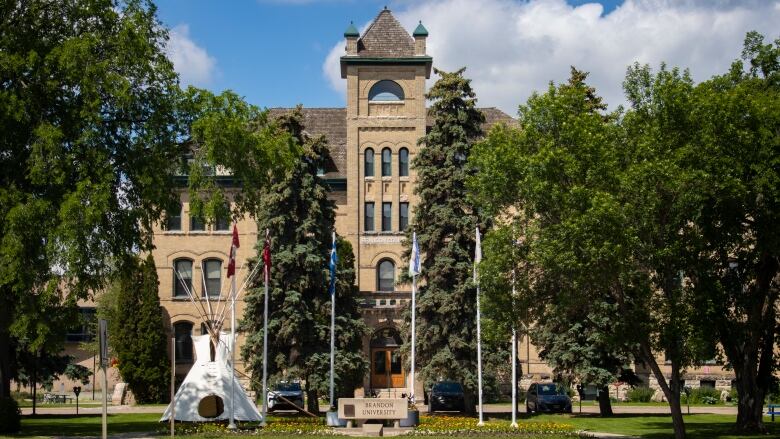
290	391
547	397
446	396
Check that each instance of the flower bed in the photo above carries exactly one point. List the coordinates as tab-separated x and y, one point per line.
458	425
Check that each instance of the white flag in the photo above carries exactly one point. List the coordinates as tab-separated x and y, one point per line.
477	254
414	261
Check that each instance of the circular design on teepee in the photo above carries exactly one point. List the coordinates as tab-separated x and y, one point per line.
211	406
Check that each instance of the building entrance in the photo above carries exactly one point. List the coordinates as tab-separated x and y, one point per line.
386	360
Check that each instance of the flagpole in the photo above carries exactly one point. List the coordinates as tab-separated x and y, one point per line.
477	259
265	339
332	319
514	348
232	425
414	267
414	332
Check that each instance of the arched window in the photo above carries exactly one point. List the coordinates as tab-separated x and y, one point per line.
182	277
182	331
403	162
385	276
387	91
368	163
212	275
387	165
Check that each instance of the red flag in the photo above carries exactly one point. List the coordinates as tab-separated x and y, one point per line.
231	271
267	252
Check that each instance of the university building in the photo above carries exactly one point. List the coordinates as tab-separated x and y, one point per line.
372	141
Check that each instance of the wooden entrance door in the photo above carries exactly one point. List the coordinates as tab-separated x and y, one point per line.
386	368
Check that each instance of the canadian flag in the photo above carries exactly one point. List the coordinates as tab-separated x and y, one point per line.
231	271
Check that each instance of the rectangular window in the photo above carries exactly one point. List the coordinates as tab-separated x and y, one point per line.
222	224
212	270
82	329
368	217
197	224
173	220
403	217
387	217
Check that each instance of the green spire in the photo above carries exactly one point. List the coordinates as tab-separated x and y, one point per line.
352	31
420	31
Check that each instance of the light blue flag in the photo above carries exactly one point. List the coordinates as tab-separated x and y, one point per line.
414	262
333	261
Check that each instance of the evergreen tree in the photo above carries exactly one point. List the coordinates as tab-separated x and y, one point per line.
301	219
445	223
138	334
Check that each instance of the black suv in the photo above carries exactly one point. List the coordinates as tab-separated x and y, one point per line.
446	395
547	397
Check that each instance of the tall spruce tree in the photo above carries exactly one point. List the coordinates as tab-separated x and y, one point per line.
138	334
445	223
301	219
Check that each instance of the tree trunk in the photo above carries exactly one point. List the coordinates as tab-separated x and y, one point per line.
750	405
672	394
35	383
605	405
5	347
469	401
312	401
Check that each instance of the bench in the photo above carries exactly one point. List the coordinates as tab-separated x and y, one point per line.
772	410
53	398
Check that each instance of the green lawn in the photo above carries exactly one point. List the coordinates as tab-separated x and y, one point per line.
699	426
87	425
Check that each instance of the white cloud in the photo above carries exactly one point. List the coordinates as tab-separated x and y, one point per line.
512	48
193	63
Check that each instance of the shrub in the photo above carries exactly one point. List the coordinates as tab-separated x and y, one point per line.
641	394
733	395
10	416
701	395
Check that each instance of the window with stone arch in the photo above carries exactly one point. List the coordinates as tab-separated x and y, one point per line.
387	162
386	91
182	277
403	162
182	332
385	276
368	162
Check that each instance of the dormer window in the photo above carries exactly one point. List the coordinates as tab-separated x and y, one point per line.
386	91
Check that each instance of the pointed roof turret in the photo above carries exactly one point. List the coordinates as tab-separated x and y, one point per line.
420	31
351	31
385	38
385	41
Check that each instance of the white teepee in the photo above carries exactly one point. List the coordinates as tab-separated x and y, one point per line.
206	388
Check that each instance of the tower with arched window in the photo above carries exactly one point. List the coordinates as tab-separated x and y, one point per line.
385	69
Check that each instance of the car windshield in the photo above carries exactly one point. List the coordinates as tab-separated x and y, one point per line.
550	389
288	387
447	387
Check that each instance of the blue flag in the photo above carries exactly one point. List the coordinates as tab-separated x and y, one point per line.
333	261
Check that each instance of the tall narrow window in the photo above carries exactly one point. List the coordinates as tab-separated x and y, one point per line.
387	217
222	223
173	220
197	224
385	276
403	162
368	163
183	333
212	273
387	166
368	226
403	217
183	280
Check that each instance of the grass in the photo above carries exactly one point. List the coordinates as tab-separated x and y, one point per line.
86	425
698	426
647	426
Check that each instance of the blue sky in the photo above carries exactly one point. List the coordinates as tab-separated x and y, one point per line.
283	52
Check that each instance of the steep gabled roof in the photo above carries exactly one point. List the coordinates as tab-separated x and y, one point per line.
385	38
